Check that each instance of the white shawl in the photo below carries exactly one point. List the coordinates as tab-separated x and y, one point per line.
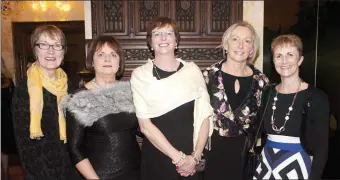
153	98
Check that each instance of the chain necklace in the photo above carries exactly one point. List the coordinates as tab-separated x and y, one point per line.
155	67
281	129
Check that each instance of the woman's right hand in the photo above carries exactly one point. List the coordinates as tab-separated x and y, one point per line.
187	166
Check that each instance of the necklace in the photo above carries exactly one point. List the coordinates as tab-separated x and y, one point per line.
155	67
281	129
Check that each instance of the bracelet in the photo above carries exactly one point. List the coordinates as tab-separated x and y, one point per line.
197	159
180	159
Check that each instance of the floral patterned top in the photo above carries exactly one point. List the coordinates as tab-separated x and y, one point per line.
237	122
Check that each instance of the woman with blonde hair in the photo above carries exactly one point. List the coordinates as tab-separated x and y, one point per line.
7	137
39	124
235	88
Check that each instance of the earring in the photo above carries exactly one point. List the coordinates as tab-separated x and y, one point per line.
151	49
176	47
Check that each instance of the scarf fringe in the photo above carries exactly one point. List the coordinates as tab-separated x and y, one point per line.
37	136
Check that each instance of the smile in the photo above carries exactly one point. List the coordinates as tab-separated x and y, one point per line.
163	44
50	59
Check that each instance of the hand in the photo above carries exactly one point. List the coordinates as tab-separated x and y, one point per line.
187	166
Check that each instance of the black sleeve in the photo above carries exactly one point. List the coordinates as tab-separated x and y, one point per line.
75	138
319	115
21	120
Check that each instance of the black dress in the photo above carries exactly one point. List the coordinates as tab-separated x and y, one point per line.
177	127
225	159
104	131
47	158
7	135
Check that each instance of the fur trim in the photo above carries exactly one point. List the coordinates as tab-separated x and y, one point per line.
88	106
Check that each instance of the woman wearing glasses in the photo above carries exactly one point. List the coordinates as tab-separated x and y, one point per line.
172	106
39	124
101	121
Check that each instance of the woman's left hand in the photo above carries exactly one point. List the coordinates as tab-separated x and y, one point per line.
187	166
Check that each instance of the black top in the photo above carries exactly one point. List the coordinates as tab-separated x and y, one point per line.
177	127
47	158
236	118
7	136
235	99
317	123
293	125
110	141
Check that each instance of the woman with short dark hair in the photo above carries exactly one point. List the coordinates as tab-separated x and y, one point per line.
101	120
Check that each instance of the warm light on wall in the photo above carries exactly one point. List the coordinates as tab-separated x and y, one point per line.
9	8
43	5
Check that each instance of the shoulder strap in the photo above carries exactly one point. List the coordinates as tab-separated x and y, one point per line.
266	99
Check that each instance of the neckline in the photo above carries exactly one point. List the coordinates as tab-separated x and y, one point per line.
236	77
303	90
159	69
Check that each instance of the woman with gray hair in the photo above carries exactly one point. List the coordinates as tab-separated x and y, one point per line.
235	88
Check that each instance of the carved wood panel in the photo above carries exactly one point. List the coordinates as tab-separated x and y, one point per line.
220	15
201	24
144	11
110	17
187	15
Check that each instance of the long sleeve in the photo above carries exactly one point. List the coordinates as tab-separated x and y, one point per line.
319	115
27	149
75	138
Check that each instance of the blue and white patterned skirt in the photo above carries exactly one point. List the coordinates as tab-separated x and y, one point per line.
283	158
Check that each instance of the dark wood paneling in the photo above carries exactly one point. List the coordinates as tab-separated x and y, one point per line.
202	24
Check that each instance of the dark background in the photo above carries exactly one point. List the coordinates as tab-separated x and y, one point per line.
300	17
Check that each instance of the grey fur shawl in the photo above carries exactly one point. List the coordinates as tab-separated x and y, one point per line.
88	106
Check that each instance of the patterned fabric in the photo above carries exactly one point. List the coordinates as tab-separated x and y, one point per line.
283	161
228	122
47	158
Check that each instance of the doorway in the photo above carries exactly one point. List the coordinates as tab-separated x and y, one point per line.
74	59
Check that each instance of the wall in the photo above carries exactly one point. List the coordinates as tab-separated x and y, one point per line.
253	13
29	15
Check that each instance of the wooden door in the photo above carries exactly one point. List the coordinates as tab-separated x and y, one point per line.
74	59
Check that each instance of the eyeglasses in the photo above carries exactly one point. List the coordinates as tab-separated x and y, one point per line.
44	46
162	33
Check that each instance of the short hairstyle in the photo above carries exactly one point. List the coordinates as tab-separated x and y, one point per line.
160	22
52	32
287	40
97	44
256	39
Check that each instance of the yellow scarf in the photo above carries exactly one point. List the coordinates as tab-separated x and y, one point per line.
36	80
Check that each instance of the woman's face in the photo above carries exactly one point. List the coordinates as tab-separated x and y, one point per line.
240	44
163	40
48	57
287	60
106	61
